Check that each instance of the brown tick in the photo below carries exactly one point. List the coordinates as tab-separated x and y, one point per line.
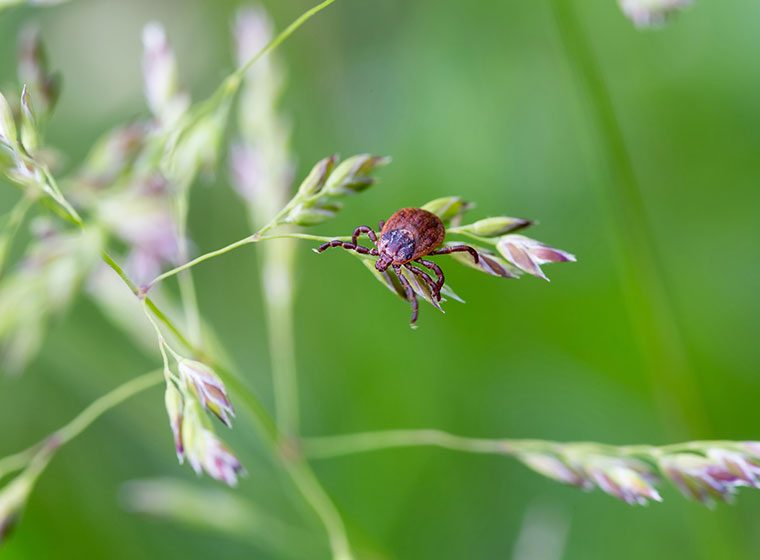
405	238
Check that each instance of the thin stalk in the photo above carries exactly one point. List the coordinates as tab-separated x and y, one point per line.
105	403
349	444
306	482
277	287
163	346
326	447
277	268
224	93
149	303
283	36
210	255
15	219
306	236
296	467
17	461
179	335
76	219
57	194
113	265
189	299
186	284
233	81
255	238
298	470
80	423
676	392
485	240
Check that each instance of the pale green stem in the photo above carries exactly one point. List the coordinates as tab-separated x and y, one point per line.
294	465
255	238
210	255
678	397
485	240
163	346
306	236
298	470
232	83
306	482
15	219
11	3
74	217
276	282
58	196
186	285
677	394
283	36
17	461
332	446
189	300
284	374
105	403
80	423
349	444
228	88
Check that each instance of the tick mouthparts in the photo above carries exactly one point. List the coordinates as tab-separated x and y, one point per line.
382	263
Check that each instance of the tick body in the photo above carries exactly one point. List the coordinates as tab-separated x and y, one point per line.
405	238
407	235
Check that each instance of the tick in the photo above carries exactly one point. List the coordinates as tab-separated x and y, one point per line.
408	236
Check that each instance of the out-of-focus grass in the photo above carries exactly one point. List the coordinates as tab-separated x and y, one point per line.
474	99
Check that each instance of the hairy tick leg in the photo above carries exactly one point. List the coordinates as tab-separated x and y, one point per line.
344	245
434	288
364	229
410	295
435	268
458	249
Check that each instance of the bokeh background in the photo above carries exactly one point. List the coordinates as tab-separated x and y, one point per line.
478	99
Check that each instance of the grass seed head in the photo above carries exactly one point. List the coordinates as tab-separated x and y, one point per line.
652	13
208	389
528	254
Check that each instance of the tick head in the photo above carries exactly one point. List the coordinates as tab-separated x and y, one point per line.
395	247
382	263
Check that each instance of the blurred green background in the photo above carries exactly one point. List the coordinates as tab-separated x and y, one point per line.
472	98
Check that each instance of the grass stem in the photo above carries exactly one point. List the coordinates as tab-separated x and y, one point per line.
650	305
80	423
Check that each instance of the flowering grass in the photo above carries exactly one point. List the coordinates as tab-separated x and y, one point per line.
128	203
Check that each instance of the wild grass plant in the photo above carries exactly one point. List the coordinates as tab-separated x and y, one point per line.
116	229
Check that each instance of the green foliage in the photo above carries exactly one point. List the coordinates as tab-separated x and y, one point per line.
464	107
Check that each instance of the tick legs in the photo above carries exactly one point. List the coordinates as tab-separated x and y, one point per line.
435	290
410	295
435	268
364	229
346	245
456	249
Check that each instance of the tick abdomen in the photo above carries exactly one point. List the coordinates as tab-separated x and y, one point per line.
411	233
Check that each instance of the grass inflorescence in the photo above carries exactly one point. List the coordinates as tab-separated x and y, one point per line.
120	219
